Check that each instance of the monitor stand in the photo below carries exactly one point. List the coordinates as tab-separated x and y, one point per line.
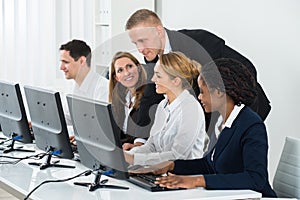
48	163
11	147
1	138
99	184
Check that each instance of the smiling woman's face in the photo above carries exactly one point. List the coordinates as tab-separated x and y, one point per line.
126	72
163	83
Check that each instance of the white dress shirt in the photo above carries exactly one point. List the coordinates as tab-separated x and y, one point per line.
178	132
234	113
130	101
127	108
168	47
94	86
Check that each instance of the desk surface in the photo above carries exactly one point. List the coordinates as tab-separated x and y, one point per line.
21	178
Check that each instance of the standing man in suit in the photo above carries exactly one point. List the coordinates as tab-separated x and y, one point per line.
146	31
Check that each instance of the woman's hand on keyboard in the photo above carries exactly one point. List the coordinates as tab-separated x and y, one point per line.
176	181
157	169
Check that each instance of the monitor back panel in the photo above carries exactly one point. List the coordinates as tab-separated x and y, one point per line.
48	121
97	139
13	117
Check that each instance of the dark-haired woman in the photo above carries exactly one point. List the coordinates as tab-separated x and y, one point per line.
239	158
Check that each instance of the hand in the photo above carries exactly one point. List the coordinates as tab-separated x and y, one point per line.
176	181
129	158
128	146
30	124
72	140
157	169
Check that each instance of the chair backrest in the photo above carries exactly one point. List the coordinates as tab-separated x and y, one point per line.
286	182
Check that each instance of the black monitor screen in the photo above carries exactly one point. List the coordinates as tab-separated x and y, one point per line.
13	119
96	134
48	121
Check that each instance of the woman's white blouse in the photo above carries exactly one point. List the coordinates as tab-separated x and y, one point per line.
129	100
178	132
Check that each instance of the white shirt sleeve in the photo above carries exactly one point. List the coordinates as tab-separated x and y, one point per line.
182	139
147	147
141	140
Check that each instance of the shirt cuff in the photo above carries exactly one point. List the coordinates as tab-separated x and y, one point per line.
139	140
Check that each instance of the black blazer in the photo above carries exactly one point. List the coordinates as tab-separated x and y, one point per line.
132	133
240	160
149	100
212	47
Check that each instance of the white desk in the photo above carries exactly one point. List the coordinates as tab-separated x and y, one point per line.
21	178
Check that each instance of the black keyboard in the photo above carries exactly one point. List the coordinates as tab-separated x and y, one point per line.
146	181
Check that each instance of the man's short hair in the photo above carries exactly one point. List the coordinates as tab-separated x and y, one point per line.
78	48
142	16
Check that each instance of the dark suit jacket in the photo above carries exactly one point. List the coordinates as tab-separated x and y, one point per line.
212	47
131	133
149	101
240	158
135	130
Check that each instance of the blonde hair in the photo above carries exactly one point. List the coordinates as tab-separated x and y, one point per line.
142	16
176	64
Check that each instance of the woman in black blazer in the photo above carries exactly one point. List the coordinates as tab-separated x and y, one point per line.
127	83
239	158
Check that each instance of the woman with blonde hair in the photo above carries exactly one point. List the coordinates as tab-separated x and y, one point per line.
239	159
178	131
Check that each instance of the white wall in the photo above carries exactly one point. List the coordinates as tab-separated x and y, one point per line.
268	33
31	32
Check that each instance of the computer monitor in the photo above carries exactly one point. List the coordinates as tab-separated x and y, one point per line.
98	142
13	118
48	124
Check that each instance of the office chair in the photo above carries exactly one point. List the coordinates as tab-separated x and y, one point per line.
286	182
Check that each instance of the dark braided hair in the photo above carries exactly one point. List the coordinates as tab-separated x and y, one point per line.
232	77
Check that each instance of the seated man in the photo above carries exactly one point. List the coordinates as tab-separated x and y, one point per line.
75	57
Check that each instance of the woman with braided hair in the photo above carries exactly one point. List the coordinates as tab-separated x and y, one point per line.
239	158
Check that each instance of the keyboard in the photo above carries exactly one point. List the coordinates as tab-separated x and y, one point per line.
146	181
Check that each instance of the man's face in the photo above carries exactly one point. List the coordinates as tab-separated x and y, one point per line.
148	40
68	65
